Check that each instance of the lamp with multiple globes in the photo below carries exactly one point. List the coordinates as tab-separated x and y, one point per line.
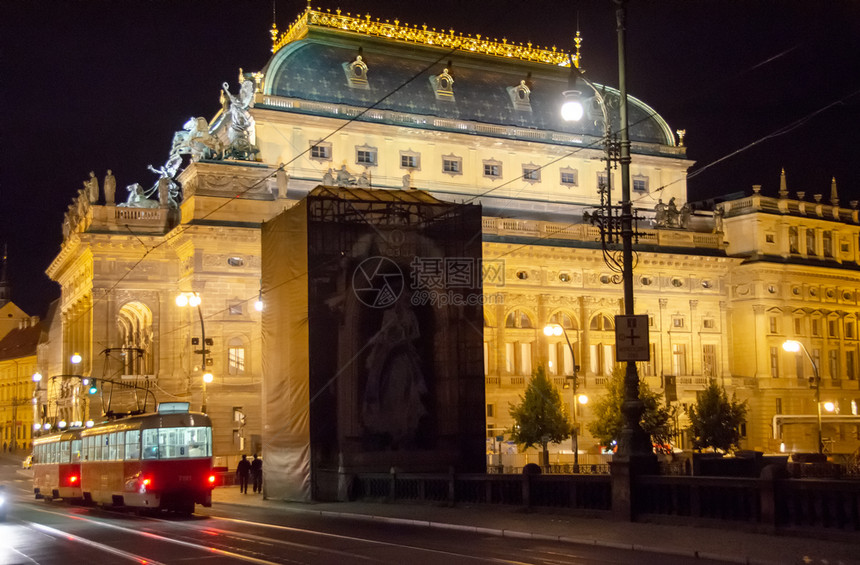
794	346
556	330
192	299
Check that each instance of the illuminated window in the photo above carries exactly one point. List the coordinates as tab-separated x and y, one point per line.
410	160
321	150
640	183
452	165
531	173
569	177
679	359
492	169
365	155
235	357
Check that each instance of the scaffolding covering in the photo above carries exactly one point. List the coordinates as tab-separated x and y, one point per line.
373	336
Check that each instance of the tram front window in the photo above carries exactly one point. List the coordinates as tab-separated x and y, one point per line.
177	443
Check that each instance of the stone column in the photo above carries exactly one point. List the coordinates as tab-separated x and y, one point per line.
762	365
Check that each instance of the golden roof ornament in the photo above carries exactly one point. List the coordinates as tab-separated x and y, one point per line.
419	35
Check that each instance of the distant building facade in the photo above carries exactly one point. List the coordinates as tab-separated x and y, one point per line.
355	102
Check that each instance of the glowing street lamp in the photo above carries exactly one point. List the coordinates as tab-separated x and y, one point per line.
793	346
192	299
551	330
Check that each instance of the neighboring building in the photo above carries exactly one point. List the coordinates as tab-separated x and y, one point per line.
17	388
353	102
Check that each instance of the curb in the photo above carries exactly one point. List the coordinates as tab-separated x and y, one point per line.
518	534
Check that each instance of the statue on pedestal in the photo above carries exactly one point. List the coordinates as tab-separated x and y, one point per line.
91	188
110	188
241	123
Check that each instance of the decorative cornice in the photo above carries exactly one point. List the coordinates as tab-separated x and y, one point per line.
420	35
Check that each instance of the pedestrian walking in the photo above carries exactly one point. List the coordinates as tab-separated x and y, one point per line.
257	473
243	471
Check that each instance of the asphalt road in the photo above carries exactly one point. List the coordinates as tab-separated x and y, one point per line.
37	532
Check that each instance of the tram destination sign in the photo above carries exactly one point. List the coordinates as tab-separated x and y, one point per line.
631	338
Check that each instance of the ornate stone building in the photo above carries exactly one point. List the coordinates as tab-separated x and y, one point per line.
352	101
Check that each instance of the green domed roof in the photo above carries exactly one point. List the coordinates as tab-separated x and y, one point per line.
400	79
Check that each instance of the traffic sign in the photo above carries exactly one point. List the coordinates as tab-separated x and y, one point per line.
631	338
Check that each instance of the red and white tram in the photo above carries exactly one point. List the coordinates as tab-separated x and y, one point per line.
158	461
57	466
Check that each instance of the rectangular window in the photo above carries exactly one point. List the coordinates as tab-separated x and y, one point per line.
798	326
827	243
833	362
640	184
525	359
410	160
816	331
850	365
452	165
832	328
772	324
321	151
798	365
774	362
810	242
492	170
709	360
678	322
769	238
679	359
708	323
778	408
569	177
531	173
365	156
849	330
608	360
602	181
490	411
552	359
235	360
509	358
235	309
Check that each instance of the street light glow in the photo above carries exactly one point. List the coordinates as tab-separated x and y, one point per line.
583	399
181	300
37	376
829	406
571	109
791	346
207	378
76	358
552	329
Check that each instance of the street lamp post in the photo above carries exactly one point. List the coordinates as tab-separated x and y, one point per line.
557	330
635	452
793	346
193	299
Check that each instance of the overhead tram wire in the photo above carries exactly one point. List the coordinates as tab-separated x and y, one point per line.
280	167
468	200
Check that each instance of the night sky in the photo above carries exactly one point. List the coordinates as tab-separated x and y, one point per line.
96	85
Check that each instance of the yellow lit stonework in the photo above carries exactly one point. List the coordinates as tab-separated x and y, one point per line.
722	292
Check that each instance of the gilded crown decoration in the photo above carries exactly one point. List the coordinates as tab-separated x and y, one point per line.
414	34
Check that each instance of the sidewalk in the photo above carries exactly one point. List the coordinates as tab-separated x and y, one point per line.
726	545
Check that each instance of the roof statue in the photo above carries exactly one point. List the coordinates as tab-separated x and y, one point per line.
195	140
241	123
137	198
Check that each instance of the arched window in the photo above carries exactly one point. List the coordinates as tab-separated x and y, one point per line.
518	319
601	322
134	323
235	357
564	320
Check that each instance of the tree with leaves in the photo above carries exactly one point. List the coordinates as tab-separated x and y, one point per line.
656	419
540	418
715	421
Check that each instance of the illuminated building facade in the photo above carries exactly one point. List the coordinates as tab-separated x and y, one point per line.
354	102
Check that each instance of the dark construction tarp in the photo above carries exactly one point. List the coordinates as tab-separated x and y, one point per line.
286	420
373	333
